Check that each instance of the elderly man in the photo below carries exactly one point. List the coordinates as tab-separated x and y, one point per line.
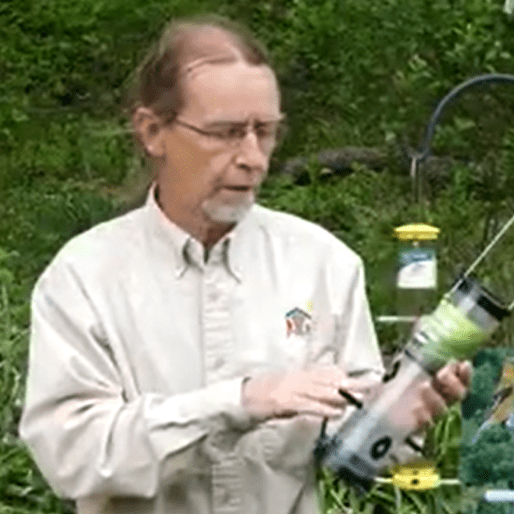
183	355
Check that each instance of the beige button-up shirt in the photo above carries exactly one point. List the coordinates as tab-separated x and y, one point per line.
139	344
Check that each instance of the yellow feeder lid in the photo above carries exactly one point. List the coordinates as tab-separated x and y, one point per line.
418	476
416	232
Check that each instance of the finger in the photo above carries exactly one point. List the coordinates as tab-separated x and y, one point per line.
314	408
363	391
448	369
461	370
324	394
464	371
335	381
333	375
360	384
335	397
450	384
434	402
424	419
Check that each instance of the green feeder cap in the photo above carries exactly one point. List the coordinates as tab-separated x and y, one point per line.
416	232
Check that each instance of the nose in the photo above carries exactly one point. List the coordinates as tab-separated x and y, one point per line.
250	155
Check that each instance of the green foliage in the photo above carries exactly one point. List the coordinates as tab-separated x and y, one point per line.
493	357
490	460
65	66
483	383
35	223
487	461
442	442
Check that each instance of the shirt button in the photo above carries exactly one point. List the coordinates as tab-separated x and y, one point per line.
219	362
213	295
226	497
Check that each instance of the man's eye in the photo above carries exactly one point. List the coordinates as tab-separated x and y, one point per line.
236	132
266	130
230	132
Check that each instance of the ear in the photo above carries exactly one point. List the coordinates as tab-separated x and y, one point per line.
150	131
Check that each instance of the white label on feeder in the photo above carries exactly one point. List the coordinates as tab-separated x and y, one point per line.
417	269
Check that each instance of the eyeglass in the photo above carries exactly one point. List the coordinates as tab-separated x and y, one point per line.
232	133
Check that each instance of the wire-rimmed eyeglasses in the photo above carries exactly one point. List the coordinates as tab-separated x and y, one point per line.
232	133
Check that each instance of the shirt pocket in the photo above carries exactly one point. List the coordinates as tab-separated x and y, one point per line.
291	351
288	444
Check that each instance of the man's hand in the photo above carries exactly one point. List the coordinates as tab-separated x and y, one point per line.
314	391
449	385
452	382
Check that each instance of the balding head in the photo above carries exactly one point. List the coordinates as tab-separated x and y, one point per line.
185	47
209	45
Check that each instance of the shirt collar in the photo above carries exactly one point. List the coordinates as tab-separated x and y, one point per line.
186	249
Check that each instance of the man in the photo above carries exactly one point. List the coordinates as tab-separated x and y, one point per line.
183	355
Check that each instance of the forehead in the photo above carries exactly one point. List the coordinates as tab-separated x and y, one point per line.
231	90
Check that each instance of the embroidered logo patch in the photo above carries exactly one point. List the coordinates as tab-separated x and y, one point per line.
298	322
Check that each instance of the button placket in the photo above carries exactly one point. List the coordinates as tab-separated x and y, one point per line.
216	321
227	487
218	350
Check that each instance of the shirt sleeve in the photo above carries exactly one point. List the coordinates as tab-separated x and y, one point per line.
355	332
85	435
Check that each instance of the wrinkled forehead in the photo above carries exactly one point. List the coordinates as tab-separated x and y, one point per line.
217	79
231	91
216	74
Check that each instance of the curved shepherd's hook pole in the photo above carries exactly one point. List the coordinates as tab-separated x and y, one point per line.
497	78
429	133
456	91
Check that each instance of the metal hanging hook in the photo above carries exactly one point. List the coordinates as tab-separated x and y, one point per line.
422	154
489	78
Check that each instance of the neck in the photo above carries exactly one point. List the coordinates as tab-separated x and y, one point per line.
199	226
214	234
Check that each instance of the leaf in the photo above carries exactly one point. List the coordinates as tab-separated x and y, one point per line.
6	277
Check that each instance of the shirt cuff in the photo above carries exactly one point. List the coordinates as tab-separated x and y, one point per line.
230	391
224	399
